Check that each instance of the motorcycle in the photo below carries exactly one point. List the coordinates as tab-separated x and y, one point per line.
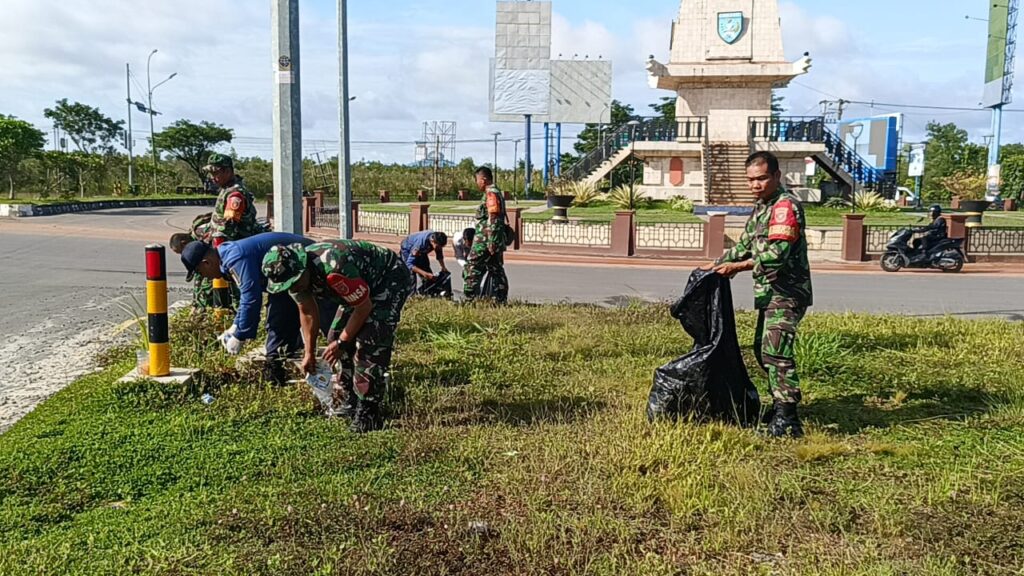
946	255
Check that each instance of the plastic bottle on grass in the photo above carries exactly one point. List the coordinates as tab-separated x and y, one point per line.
320	382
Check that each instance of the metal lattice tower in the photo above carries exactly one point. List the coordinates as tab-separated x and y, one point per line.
439	140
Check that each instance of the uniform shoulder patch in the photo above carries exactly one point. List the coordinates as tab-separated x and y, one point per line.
353	291
493	203
234	207
784	224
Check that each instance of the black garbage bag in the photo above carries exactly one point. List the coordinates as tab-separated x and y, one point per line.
709	382
439	287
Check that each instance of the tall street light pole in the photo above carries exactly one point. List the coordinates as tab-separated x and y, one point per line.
287	117
149	104
495	165
632	158
346	223
131	159
515	167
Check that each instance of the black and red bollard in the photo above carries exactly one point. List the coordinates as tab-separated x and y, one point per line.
156	309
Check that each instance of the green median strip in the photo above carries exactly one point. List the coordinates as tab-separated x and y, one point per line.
518	445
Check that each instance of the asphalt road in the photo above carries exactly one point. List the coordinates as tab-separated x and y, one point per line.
66	282
82	260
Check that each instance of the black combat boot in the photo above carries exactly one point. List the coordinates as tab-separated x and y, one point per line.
275	371
786	422
345	400
367	417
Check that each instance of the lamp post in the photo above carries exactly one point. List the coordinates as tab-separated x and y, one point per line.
856	130
632	158
495	165
515	167
149	103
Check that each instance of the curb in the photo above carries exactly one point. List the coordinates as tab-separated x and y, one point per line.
30	210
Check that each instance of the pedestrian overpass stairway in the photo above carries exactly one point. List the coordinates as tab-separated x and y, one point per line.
727	178
851	171
616	148
723	162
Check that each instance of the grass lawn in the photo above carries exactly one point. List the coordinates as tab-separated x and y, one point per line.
519	446
87	199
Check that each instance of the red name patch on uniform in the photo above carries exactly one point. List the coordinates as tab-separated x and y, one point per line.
353	292
784	224
493	203
234	207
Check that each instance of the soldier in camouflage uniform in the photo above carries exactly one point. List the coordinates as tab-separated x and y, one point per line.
774	247
202	288
492	230
370	284
234	214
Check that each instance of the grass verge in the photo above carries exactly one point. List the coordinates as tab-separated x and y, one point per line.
518	446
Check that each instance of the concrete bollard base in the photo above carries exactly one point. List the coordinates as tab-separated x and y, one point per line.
182	376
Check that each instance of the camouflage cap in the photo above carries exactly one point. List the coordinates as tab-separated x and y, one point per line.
218	160
283	265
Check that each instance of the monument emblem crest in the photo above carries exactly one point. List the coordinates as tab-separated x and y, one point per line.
730	26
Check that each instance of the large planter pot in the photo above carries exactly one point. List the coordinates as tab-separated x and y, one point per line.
561	205
973	209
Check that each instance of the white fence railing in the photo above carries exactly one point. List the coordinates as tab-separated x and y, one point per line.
384	222
670	236
571	234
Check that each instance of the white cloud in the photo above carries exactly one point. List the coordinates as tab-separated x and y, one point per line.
916	69
404	72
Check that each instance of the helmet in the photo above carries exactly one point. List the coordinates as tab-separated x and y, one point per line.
935	211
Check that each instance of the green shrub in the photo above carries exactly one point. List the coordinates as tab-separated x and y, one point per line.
623	197
682	204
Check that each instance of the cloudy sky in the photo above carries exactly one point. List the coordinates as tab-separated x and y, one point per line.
412	62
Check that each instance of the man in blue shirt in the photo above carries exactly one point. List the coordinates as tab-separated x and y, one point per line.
242	260
416	250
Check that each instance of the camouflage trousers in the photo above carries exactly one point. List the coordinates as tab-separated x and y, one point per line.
483	263
774	348
364	373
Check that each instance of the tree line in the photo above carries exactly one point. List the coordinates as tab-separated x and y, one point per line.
89	159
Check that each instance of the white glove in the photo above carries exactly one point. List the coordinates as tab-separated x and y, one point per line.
231	344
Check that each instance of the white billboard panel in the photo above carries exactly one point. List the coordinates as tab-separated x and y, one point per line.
522	36
581	91
522	91
916	167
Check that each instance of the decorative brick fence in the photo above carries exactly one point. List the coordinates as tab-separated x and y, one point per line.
854	242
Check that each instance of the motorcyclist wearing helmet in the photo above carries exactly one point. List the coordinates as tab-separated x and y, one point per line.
934	232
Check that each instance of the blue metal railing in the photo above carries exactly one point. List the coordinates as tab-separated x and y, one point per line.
787	129
688	129
813	129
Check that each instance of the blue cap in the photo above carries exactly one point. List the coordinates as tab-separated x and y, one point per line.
192	255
